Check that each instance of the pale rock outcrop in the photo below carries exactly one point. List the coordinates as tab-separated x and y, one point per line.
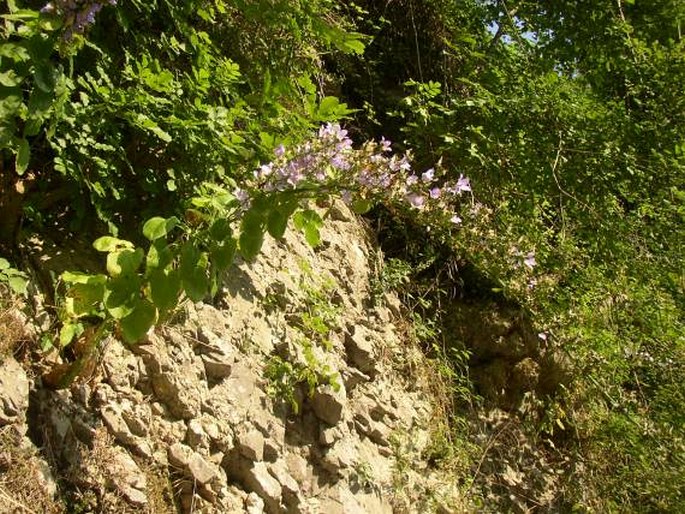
192	405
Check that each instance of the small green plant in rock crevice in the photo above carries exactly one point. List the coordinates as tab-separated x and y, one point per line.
363	477
319	315
16	280
285	378
314	316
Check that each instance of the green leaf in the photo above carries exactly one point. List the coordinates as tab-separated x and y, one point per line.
44	77
251	244
328	106
312	235
165	288
10	78
14	51
159	255
83	298
121	295
309	222
220	230
111	244
124	262
193	269
21	15
361	206
252	234
83	278
32	127
146	122
68	332
222	255
4	264
353	45
23	156
137	323
18	284
157	227
277	223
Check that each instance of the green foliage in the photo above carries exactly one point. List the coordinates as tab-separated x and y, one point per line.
144	284
285	377
314	315
319	314
570	124
12	277
160	97
31	84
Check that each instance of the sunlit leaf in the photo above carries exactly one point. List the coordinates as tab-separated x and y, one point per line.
138	322
124	261
158	227
165	288
110	244
121	295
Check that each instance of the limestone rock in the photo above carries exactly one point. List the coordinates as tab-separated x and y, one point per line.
117	426
352	377
196	436
328	404
192	464
298	468
201	470
14	392
254	504
127	478
330	435
250	443
393	303
121	368
360	350
176	376
341	456
289	486
217	366
179	455
256	478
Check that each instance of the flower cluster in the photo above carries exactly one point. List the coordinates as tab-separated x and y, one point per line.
330	164
76	15
527	259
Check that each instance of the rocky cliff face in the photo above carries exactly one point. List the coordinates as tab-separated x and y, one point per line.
293	391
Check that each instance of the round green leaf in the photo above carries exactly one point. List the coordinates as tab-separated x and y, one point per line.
165	288
193	270
312	235
251	244
83	299
277	223
159	256
252	234
18	284
83	278
110	244
124	262
138	322
220	230
157	227
68	332
121	295
222	255
361	206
